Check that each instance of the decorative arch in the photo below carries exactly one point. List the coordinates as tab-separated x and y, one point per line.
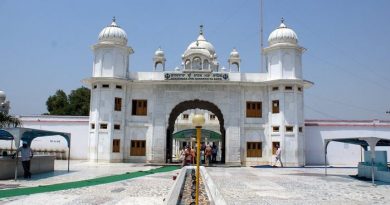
194	104
187	65
196	63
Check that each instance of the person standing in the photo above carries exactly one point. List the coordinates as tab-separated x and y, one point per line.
188	156
214	153
278	156
183	157
207	153
26	154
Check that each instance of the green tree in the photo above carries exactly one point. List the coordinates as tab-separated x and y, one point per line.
79	102
76	103
7	121
58	104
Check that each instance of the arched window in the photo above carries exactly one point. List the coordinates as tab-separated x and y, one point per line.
196	63
206	65
235	67
187	65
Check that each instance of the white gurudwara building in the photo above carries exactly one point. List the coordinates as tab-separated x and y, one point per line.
133	114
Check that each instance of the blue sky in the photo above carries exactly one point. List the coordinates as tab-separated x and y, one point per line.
45	45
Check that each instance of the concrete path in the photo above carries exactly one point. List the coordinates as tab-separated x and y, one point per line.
296	186
238	186
151	189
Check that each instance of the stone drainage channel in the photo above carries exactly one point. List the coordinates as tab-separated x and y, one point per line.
183	191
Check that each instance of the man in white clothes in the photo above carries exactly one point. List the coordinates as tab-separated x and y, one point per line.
278	156
26	155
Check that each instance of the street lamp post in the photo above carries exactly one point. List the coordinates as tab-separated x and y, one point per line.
198	121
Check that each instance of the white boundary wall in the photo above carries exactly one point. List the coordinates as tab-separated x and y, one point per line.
339	154
76	125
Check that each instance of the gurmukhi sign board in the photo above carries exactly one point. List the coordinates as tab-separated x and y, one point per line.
196	76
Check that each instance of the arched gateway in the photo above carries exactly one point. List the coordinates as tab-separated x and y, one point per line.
194	104
133	114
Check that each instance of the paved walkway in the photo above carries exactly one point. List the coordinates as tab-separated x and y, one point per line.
151	189
296	186
238	186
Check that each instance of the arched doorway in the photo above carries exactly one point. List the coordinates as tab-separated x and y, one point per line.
194	104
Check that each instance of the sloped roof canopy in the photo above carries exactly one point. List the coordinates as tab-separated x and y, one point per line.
28	135
183	134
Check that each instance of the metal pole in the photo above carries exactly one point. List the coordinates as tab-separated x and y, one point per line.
68	157
16	166
326	173
261	38
198	135
372	170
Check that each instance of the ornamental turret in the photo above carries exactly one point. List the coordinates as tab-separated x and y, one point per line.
283	55
111	52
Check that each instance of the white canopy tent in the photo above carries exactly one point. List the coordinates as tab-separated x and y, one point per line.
28	135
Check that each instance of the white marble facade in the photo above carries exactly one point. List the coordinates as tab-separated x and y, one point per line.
199	83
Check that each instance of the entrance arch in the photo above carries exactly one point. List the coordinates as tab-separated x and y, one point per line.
194	104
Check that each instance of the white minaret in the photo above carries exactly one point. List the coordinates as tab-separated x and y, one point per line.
108	95
111	53
283	59
283	55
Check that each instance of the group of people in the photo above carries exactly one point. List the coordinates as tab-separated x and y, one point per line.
208	154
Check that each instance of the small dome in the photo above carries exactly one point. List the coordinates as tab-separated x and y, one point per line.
113	34
159	53
282	35
234	54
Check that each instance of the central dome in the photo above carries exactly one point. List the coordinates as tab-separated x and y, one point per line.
201	45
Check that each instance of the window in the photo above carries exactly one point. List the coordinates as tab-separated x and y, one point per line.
140	107
289	128
299	88
212	117
275	88
92	125
275	146
275	129
118	87
185	116
103	126
94	86
253	149
117	127
196	63
138	148
300	129
253	109
116	145
288	88
105	86
118	104
275	106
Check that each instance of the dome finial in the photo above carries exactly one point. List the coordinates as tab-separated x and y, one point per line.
282	20
201	29
113	19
